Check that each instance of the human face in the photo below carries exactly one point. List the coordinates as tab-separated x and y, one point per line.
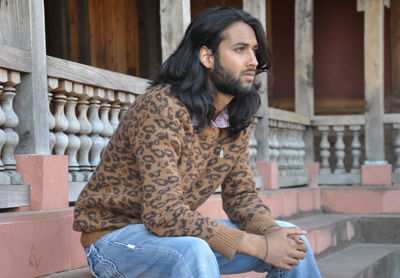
235	64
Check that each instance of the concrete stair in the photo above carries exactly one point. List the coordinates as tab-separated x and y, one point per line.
354	246
338	219
363	260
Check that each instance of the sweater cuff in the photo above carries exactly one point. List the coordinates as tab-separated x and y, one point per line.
261	224
226	240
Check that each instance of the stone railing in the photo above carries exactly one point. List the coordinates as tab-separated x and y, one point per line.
82	118
8	122
13	64
392	144
85	106
339	146
13	193
287	146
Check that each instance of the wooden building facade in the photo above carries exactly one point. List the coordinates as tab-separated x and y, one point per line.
70	68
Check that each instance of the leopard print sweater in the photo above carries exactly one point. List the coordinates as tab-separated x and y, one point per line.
157	170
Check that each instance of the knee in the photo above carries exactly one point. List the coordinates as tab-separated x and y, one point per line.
198	259
196	246
284	224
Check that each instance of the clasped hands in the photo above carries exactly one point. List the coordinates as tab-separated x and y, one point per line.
282	247
285	248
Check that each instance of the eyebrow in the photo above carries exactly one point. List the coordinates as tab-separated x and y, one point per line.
243	44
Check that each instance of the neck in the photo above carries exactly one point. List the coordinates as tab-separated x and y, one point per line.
221	101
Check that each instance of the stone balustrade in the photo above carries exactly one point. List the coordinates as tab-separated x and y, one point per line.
8	122
287	146
339	148
392	144
82	118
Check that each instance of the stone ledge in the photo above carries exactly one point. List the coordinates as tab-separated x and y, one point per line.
362	260
15	195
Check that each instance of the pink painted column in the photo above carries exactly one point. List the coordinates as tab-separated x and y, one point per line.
312	169
47	176
376	174
270	173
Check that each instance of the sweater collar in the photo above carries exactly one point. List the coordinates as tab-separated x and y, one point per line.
221	119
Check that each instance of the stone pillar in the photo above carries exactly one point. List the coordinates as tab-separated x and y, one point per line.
257	8
395	56
374	78
174	19
31	99
304	69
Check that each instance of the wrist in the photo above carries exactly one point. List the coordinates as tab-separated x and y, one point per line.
253	245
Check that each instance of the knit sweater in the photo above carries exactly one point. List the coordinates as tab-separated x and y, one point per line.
157	170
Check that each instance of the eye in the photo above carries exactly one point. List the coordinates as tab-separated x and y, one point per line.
239	49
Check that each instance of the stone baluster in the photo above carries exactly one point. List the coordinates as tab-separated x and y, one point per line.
270	141
4	178
296	165
278	133
355	149
84	131
302	149
114	114
294	150
339	146
273	141
253	150
105	117
72	131
325	150
11	122
52	84
130	99
97	128
60	99
396	128
284	150
288	148
122	99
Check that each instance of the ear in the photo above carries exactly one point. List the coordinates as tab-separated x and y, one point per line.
206	57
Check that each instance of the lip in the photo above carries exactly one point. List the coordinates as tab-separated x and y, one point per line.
249	75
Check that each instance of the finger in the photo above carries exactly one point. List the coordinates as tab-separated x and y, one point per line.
299	255
302	247
293	231
285	266
297	239
293	262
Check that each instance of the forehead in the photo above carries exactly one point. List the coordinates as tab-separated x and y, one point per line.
239	32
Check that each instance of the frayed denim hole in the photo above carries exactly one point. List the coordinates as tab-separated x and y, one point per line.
101	266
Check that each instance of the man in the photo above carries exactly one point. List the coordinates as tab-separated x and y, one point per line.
176	144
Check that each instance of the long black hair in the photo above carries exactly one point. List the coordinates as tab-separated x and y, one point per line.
189	79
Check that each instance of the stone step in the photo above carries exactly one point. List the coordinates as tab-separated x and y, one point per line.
365	260
83	272
328	233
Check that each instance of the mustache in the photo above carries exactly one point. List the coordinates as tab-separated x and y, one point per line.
249	70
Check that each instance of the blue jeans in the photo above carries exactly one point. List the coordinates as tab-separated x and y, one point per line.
133	251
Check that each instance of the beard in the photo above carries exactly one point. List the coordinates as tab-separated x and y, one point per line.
225	82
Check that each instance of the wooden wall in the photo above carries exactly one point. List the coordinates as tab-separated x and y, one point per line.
338	56
100	33
114	35
196	6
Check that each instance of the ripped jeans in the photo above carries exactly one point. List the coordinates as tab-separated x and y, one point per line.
132	251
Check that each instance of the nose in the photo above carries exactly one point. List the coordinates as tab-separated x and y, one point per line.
252	62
